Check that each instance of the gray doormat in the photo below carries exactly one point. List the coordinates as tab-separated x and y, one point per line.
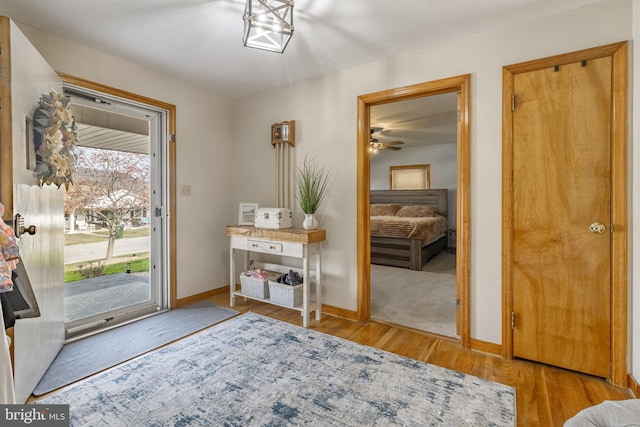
85	357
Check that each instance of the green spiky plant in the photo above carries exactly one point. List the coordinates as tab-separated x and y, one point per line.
312	185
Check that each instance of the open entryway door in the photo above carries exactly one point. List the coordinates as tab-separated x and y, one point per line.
24	77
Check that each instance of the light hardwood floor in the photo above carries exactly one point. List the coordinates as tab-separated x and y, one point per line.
545	396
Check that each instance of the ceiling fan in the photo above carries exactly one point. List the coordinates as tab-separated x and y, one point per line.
375	145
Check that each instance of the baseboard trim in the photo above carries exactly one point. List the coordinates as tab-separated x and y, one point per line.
326	309
339	312
486	347
633	386
476	345
203	295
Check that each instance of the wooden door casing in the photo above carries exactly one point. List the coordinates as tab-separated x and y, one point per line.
616	235
461	85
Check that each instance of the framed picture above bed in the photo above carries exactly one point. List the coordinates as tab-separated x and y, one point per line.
410	177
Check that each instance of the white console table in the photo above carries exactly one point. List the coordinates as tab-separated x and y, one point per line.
290	242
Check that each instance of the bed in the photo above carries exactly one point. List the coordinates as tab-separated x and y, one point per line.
408	227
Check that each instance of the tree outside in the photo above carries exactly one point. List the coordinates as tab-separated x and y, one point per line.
110	190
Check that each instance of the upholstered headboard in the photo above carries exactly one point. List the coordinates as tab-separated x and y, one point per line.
437	199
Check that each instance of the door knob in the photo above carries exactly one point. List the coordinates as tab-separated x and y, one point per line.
30	230
20	229
596	227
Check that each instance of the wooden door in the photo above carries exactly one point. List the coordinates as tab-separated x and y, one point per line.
561	186
24	76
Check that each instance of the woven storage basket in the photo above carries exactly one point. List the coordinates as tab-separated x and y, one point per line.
287	295
257	288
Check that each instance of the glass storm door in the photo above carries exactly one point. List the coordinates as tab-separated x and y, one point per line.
115	257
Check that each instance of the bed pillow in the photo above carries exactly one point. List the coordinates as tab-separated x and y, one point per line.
384	209
416	211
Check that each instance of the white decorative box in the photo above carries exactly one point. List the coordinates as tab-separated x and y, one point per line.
273	218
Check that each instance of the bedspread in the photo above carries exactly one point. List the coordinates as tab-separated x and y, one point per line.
424	228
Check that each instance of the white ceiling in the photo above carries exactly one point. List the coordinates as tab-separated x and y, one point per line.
421	121
200	41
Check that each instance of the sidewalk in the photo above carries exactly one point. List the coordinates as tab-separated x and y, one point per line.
88	297
98	250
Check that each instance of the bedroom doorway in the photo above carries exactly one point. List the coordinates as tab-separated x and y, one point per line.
414	154
460	87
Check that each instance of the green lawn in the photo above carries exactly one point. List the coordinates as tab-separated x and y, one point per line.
139	263
99	236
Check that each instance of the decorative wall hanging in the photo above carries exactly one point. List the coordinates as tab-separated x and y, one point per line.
283	139
54	137
284	132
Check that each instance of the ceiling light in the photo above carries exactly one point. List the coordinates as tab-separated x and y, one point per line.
268	24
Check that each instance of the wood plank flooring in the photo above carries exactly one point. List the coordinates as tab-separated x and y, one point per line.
545	396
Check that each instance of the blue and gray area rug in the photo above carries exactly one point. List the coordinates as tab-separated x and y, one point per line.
256	371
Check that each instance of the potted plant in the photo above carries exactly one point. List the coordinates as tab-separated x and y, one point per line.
311	189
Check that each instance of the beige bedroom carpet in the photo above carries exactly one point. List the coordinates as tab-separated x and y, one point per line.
424	300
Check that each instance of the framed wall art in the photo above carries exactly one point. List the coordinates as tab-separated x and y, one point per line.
246	213
410	177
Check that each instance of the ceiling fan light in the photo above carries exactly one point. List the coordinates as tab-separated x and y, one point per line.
268	24
374	147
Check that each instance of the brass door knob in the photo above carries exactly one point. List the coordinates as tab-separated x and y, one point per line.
20	229
31	230
596	227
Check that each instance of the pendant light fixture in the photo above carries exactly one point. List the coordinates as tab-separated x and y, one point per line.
268	24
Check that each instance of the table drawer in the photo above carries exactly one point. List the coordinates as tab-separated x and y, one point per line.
265	247
268	246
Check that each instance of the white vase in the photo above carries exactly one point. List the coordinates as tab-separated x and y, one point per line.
310	222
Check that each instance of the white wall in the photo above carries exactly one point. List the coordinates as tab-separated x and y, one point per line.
204	153
325	114
443	169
